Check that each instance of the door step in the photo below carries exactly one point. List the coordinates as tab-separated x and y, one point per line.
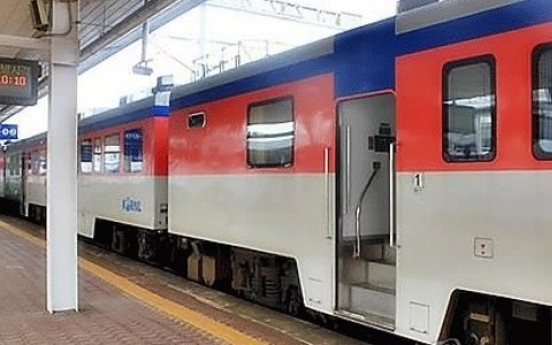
366	318
382	274
373	299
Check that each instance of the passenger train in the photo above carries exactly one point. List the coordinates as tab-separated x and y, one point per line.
397	175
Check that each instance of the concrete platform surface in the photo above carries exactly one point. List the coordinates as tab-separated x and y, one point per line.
106	315
123	301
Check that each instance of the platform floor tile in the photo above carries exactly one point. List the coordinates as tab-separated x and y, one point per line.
106	316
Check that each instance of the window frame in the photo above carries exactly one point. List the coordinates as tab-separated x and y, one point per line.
42	159
104	153
81	144
248	116
536	55
97	140
35	162
14	164
28	169
125	153
447	68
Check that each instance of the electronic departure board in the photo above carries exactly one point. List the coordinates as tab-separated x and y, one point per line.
18	81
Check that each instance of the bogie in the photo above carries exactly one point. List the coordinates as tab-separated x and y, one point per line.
478	319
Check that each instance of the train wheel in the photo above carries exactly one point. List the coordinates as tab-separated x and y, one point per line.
119	242
146	248
293	304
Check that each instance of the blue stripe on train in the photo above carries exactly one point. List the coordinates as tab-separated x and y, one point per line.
364	58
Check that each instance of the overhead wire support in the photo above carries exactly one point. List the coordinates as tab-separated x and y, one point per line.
292	11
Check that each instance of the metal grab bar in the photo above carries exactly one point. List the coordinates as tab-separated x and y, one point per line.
327	191
377	166
347	168
392	187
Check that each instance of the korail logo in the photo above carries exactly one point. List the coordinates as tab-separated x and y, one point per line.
130	205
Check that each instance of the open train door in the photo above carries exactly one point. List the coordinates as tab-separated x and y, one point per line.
366	269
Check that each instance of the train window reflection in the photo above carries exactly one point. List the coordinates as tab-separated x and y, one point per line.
42	165
112	149
270	134
469	110
542	102
38	162
86	154
133	150
97	155
34	162
14	165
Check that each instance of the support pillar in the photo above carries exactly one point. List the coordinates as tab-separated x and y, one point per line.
61	189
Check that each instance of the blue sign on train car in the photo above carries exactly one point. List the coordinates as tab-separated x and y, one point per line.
8	132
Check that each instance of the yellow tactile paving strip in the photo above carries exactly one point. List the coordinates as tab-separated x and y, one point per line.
170	308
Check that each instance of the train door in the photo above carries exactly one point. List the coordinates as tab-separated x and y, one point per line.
25	161
366	272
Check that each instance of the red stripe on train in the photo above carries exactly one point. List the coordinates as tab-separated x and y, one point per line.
419	97
155	144
220	147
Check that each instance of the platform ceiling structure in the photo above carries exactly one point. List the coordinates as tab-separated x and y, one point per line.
104	26
107	26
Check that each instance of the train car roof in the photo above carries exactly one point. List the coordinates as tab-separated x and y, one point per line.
124	114
454	21
34	141
130	112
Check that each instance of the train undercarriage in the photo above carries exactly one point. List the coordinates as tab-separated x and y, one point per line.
267	279
272	280
478	319
37	214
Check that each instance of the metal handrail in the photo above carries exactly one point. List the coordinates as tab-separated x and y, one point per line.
347	168
327	191
377	166
392	188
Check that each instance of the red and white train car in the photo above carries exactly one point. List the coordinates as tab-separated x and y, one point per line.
396	175
122	177
24	177
122	180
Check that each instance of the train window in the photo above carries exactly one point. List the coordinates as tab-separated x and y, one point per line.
270	134
196	120
97	155
42	162
112	149
14	165
28	164
86	156
35	162
469	110
542	102
133	150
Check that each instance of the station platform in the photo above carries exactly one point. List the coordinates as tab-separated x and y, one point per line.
106	315
114	308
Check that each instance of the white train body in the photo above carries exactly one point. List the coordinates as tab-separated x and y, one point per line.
136	201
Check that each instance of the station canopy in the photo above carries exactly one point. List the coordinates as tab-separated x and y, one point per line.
105	27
